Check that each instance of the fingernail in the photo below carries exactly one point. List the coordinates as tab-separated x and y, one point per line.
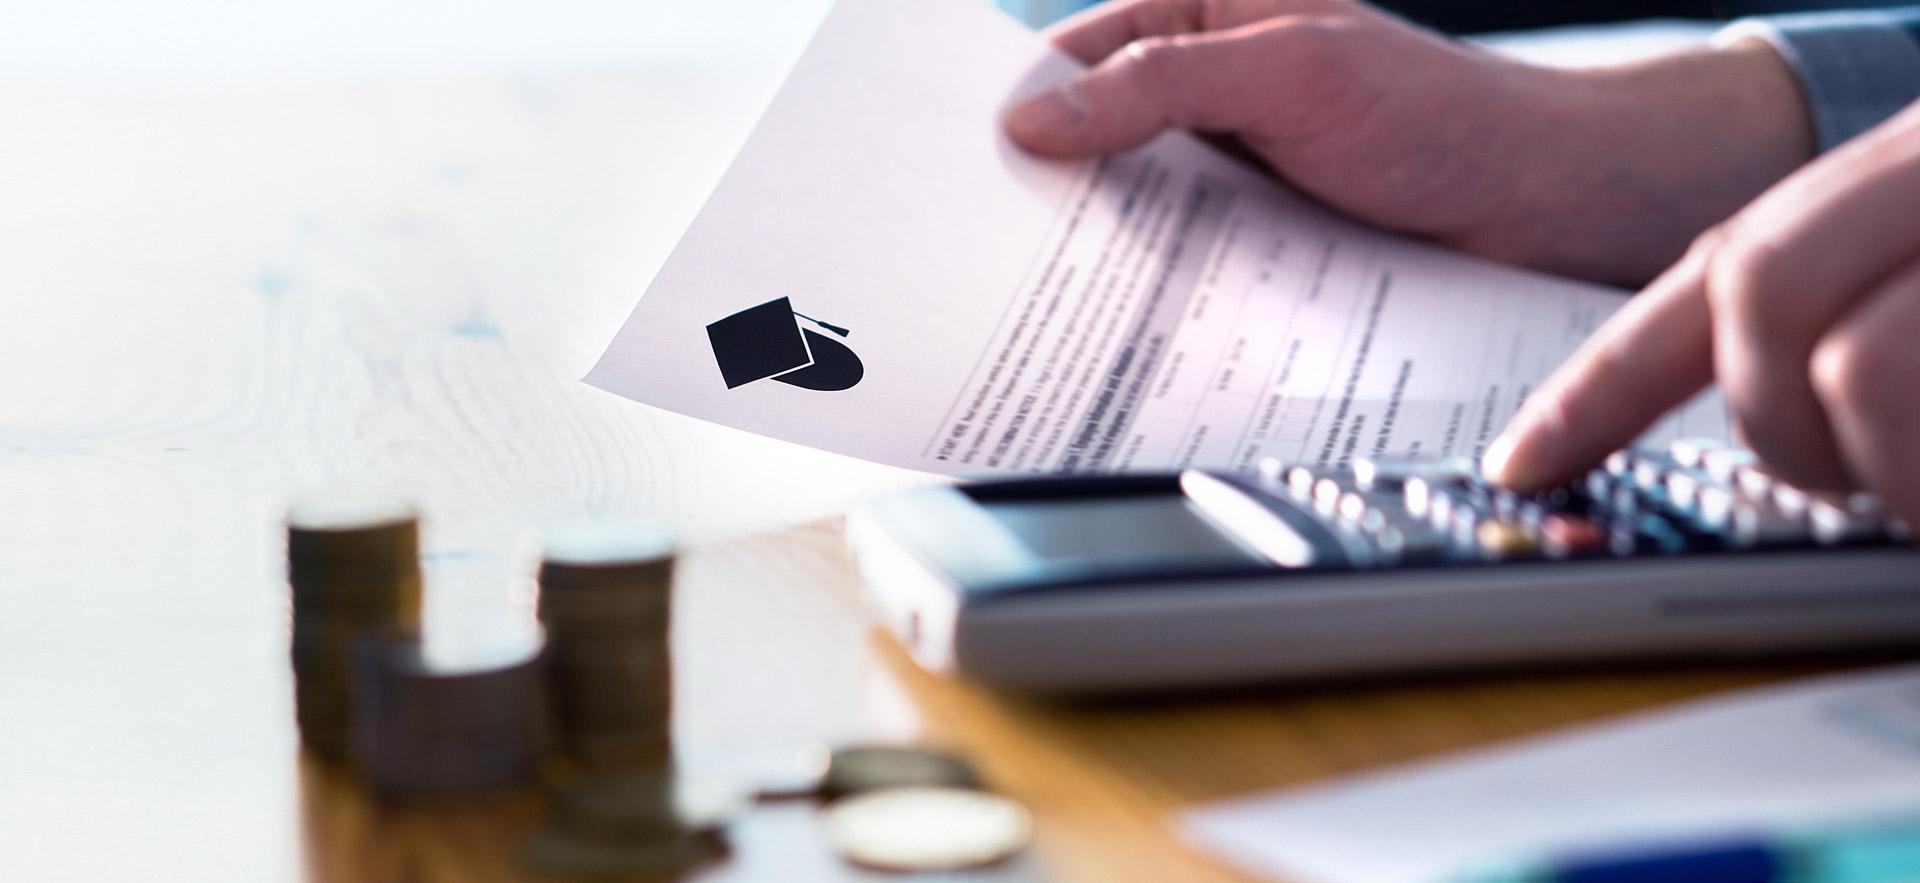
1055	110
1495	464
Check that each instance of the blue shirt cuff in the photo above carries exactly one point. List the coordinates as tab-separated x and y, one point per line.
1857	68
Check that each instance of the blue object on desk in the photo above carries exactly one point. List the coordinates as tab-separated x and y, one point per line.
1885	851
1040	13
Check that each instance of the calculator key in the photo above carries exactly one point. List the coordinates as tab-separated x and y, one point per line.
1326	497
1723	464
1418	496
1623	500
1618	464
1692	453
1455	511
1271	470
1499	539
1504	504
1648	473
1753	526
1597	487
1683	488
1462	526
1361	508
1439	509
1393	474
1790	500
1565	536
1413	544
1712	506
1855	520
1352	507
1752	482
1861	503
1645	534
1300	481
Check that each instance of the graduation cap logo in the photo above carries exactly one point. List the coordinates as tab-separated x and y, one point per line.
768	341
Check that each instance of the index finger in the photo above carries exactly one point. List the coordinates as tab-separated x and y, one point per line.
1099	32
1651	356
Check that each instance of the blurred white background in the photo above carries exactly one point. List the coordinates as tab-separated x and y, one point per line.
228	39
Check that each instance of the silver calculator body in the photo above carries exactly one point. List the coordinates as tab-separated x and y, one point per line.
1145	582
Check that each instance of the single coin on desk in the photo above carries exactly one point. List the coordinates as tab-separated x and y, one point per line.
927	829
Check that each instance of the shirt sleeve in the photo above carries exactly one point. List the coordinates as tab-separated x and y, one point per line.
1856	68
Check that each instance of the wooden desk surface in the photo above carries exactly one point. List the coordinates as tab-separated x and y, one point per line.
212	298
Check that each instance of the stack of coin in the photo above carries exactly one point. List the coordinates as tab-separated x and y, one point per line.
605	597
645	823
353	565
443	718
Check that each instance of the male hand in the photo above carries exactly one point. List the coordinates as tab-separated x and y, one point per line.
1604	173
1805	307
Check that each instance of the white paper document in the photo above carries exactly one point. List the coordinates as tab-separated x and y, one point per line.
1822	751
883	274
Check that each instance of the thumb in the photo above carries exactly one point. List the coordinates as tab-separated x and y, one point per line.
1193	81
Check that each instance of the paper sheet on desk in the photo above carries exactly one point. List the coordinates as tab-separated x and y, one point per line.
982	311
1818	751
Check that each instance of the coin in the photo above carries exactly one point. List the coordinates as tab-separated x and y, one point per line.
432	720
595	545
927	829
352	531
858	768
606	595
352	569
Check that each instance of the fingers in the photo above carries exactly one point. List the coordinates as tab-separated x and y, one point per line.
1865	370
1093	35
1793	264
1210	81
1652	355
1748	307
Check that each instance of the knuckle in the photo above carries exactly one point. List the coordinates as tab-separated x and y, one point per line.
1707	244
1741	272
1150	63
1750	278
1860	373
1151	56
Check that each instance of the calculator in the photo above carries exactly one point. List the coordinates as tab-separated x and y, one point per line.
1383	566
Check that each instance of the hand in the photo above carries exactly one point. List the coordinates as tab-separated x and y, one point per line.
1805	307
1604	173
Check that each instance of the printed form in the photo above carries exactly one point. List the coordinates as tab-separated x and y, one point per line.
981	311
1835	750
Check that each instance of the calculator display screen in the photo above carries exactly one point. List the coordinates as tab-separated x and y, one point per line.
1120	533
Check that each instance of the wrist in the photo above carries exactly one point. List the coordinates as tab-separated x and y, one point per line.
1628	163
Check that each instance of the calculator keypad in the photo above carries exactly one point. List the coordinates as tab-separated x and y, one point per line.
1691	496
